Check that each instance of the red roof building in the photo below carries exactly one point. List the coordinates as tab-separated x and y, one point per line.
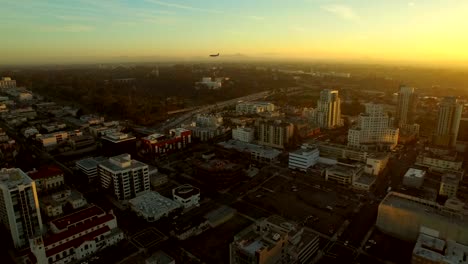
77	235
47	178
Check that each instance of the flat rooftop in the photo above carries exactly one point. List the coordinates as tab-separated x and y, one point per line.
425	207
153	204
90	163
186	191
122	162
118	137
304	151
366	179
438	250
415	173
11	178
243	146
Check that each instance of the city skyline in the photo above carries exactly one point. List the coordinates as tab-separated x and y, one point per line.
84	31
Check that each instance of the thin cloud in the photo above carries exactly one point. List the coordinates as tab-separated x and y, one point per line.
298	29
76	18
66	28
256	17
341	11
411	4
185	7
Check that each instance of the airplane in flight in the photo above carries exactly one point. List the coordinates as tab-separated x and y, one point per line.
214	55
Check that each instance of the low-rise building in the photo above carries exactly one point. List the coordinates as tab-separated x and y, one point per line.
76	236
338	151
47	178
50	140
440	162
404	216
449	185
115	143
217	172
254	107
345	172
414	178
376	163
6	83
52	205
151	206
30	131
273	240
187	195
88	167
158	144
430	249
364	182
244	134
51	127
256	152
158	179
303	158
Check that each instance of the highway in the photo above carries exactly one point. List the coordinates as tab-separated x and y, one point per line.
205	109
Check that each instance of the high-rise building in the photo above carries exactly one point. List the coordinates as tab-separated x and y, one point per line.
373	129
273	133
406	106
328	112
19	206
125	177
448	122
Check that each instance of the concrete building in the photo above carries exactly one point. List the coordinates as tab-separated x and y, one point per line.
344	172
50	140
47	178
463	130
273	240
448	122
116	143
244	134
303	158
218	173
52	205
124	177
19	206
76	236
273	133
159	144
414	178
151	206
6	83
376	163
449	185
364	182
433	250
373	130
404	216
208	120
406	106
187	195
440	162
88	167
338	151
327	115
256	152
254	107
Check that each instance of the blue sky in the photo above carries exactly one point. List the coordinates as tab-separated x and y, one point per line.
42	31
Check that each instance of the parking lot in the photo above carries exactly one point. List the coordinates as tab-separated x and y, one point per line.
148	238
326	210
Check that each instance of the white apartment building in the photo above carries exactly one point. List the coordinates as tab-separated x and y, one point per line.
303	158
19	206
244	134
254	107
186	195
124	177
373	129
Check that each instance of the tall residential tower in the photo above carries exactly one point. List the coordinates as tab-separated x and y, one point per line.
328	112
406	106
448	122
19	206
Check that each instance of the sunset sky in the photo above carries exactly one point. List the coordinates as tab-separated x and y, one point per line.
40	31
